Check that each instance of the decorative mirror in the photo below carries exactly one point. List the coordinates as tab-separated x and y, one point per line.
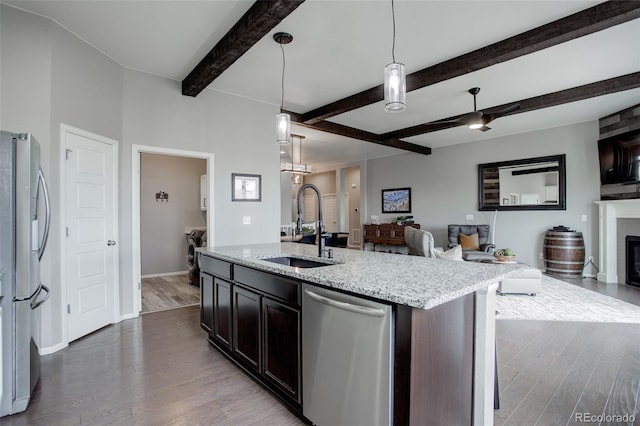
527	184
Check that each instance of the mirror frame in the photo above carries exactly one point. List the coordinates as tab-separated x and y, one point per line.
562	183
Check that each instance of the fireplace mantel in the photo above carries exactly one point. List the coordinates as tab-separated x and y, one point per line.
610	212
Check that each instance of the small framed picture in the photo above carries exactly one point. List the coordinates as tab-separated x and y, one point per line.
396	200
246	187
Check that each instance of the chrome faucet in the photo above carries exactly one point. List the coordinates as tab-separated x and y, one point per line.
322	236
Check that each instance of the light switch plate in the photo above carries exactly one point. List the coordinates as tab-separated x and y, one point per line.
246	220
584	218
469	217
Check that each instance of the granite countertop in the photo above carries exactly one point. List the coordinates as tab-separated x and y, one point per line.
414	281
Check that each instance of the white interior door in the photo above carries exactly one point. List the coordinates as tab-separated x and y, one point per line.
91	251
309	209
330	212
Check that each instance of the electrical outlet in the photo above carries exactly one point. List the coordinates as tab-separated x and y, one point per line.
469	217
246	220
540	255
585	218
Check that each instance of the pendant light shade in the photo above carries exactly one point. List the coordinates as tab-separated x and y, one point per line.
283	120
283	128
296	166
395	81
395	88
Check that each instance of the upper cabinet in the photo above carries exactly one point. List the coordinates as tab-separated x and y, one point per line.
526	184
203	192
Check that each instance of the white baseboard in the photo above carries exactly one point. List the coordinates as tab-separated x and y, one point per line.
51	349
129	316
166	274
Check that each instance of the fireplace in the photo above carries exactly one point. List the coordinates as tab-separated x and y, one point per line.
633	259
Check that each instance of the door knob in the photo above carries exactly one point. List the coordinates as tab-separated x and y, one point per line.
111	243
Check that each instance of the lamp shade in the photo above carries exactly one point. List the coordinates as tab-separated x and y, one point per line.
283	128
395	87
475	121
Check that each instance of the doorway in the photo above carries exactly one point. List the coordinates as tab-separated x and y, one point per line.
172	288
172	220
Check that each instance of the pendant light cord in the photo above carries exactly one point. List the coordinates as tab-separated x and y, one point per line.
393	46
282	86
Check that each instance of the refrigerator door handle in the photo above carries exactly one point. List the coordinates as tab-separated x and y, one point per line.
47	219
35	302
25	299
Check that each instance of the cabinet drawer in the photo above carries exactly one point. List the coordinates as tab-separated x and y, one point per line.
216	267
273	285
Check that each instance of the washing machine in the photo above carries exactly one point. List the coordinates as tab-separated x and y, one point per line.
196	238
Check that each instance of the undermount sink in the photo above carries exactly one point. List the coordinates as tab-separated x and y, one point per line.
296	262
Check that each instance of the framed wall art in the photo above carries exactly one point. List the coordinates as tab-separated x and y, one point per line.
245	187
397	200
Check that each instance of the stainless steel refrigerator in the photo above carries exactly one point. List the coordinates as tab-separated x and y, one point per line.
24	228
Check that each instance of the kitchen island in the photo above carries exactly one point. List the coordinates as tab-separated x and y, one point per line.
442	323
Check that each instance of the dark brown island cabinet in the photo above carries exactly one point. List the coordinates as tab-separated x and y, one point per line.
254	318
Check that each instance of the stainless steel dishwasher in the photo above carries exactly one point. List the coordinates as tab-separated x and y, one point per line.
347	359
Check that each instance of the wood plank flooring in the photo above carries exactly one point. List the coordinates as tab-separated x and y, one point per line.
168	292
159	369
553	372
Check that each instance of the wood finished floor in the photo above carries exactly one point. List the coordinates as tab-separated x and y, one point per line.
159	369
168	292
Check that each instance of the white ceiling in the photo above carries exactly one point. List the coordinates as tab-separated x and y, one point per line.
341	48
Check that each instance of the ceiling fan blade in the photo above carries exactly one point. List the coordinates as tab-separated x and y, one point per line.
462	119
500	113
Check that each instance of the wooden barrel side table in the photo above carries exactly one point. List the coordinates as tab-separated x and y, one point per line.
563	253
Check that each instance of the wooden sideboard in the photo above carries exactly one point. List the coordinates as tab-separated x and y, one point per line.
388	234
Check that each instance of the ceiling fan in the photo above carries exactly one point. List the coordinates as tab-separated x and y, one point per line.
478	119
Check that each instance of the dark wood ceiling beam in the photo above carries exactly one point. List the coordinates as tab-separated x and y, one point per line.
261	18
363	135
574	94
579	24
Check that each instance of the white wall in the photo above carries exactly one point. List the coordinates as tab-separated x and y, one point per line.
445	187
163	242
49	77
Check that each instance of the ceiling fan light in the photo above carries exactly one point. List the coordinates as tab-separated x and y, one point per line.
475	126
395	88
283	126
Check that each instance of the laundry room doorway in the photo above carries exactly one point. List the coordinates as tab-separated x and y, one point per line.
173	222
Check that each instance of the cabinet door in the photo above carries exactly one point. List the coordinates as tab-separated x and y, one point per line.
246	327
206	301
203	192
222	312
281	330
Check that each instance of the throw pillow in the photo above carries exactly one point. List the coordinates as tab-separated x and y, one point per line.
454	253
469	242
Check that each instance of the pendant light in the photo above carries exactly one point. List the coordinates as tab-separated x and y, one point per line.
283	120
395	81
296	166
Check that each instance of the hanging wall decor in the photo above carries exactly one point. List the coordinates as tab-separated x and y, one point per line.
245	187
